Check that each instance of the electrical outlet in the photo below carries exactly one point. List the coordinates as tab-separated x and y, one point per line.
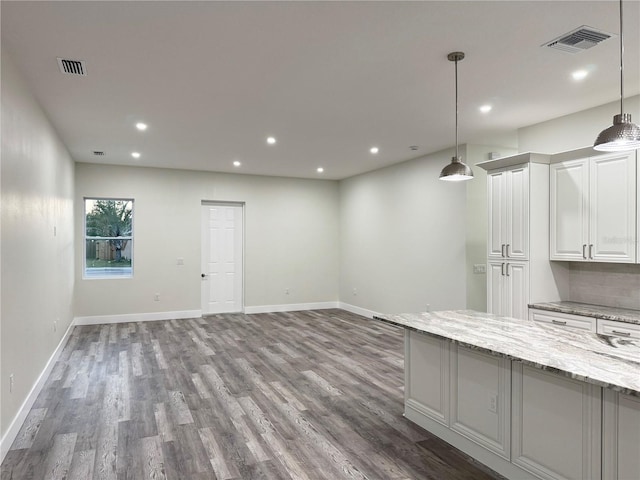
286	291
355	292
479	268
11	383
156	297
427	308
493	403
180	261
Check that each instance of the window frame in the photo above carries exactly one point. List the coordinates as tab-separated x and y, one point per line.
85	238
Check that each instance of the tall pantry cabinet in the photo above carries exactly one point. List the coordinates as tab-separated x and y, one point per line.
518	267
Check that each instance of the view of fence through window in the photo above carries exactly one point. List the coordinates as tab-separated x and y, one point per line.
108	238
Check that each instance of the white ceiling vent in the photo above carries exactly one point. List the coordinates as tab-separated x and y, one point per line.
582	38
72	67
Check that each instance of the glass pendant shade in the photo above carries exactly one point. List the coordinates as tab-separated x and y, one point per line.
622	135
456	171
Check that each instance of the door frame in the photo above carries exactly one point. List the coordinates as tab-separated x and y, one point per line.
226	203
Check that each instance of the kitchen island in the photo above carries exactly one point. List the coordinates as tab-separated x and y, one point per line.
529	400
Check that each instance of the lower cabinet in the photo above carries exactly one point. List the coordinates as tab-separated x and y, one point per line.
621	436
556	425
508	289
523	422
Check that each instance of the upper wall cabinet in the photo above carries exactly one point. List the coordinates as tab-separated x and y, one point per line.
508	198
593	209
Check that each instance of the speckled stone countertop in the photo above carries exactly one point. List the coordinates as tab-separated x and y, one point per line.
587	310
610	362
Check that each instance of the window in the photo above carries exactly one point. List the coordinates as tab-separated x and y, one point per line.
108	233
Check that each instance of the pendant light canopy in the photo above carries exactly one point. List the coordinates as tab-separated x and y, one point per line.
623	134
456	170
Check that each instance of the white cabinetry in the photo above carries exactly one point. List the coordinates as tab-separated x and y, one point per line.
508	288
621	436
618	329
593	209
508	201
564	320
556	425
518	267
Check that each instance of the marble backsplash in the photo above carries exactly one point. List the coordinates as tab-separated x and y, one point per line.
610	284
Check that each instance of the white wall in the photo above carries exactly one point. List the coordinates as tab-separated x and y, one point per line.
291	238
574	131
402	237
37	266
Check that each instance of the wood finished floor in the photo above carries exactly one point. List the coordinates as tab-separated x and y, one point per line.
302	395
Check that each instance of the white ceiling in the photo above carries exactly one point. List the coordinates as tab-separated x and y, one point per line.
327	79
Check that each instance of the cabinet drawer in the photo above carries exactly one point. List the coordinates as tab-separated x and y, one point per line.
563	320
618	329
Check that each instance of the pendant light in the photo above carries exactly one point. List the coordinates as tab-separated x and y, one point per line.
623	134
456	170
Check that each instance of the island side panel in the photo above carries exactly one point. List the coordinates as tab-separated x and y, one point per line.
481	398
621	436
427	376
556	425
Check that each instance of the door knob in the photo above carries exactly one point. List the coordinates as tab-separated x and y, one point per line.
202	275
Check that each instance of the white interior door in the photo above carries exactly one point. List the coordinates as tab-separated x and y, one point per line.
222	258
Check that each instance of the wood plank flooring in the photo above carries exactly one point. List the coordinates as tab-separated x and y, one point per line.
302	395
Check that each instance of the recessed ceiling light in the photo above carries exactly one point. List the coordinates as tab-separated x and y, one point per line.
320	170
135	154
374	150
141	126
485	108
271	140
579	75
236	163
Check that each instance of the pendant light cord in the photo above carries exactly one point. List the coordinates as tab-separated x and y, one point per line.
457	157
621	65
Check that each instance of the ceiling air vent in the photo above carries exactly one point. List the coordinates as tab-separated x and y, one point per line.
98	153
72	67
582	38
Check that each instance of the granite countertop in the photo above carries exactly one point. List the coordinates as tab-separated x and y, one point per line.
610	362
587	310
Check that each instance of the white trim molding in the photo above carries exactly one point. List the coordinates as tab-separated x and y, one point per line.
291	307
137	317
16	424
357	310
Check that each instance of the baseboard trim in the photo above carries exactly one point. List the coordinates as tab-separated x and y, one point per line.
137	317
25	408
291	307
357	310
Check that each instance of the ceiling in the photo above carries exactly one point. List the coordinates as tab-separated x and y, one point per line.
329	80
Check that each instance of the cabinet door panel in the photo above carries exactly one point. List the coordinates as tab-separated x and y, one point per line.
612	208
621	436
517	290
495	288
427	375
496	200
518	213
569	188
556	425
480	398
